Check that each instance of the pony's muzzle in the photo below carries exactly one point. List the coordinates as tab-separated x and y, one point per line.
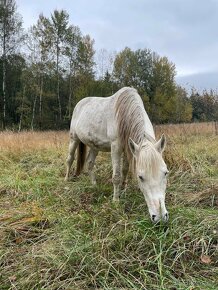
153	218
157	218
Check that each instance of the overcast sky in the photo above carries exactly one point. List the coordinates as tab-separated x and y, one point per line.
186	31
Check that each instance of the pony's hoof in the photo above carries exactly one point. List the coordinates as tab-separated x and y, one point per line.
116	200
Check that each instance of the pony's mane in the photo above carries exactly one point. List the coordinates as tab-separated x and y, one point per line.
129	114
152	157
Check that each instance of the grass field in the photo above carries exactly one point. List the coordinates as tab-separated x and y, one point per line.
58	235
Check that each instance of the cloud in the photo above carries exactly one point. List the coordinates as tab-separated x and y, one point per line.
184	31
201	81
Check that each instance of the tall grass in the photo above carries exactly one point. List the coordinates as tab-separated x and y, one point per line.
29	140
188	129
57	235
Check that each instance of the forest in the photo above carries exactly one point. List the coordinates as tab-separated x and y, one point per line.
46	69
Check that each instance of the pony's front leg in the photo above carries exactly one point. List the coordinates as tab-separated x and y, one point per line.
90	164
125	170
116	163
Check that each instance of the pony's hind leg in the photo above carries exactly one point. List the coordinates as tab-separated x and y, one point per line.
90	164
71	153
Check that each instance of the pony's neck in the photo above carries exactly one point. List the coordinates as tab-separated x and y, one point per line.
148	127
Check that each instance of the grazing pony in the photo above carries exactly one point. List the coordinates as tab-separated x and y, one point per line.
120	124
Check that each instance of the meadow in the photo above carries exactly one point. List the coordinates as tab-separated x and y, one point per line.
70	235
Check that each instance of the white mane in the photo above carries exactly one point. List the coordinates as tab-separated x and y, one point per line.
129	113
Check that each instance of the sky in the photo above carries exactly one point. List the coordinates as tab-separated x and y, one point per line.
186	31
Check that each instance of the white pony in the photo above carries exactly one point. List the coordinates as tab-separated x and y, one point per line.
120	124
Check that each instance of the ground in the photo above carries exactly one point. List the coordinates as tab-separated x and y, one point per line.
58	235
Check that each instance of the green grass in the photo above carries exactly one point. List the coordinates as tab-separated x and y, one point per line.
58	235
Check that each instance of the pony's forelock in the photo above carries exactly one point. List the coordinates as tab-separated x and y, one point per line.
149	160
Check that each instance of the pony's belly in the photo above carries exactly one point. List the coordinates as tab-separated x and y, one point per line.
96	135
100	146
96	142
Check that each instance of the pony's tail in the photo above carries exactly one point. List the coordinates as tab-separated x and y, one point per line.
81	157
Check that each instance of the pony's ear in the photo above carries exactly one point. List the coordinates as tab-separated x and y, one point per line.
134	148
161	144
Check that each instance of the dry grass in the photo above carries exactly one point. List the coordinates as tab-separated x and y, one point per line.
57	235
207	196
28	141
190	129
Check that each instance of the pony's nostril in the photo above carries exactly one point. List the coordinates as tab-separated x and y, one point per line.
166	217
153	217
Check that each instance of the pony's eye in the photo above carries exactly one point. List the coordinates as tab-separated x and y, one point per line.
166	173
141	178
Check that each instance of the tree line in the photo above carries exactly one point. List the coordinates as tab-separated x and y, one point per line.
47	69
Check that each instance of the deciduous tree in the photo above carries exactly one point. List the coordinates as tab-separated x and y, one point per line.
11	36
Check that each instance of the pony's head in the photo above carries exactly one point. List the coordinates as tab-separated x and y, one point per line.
151	172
